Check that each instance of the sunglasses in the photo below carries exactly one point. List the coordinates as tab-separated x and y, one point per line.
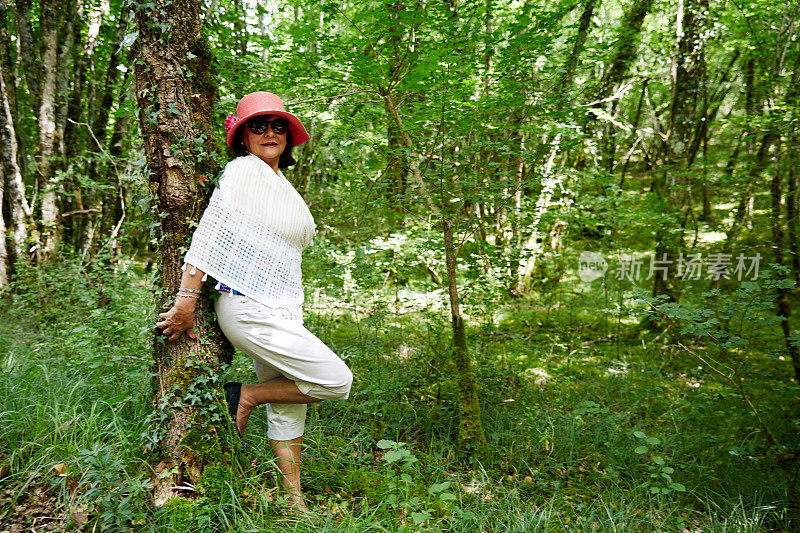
259	125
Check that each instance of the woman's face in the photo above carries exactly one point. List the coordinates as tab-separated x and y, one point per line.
268	146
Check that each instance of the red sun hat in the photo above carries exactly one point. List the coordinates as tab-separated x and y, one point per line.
264	103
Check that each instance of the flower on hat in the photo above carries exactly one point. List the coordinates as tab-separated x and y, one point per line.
230	122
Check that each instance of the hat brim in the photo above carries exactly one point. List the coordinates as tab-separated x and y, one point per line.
298	131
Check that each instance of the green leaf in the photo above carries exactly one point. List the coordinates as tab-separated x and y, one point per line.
405	477
639	434
419	518
438	487
385	444
447	496
653	441
677	486
657	459
392	456
466	515
640	449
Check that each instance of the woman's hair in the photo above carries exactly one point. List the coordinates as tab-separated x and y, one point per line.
239	149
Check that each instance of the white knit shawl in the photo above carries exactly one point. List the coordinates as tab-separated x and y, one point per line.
252	234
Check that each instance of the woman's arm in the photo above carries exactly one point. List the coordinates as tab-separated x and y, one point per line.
180	318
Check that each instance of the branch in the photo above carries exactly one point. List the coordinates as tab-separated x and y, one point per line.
328	99
80	212
740	387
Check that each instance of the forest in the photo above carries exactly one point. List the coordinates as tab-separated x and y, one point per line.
557	244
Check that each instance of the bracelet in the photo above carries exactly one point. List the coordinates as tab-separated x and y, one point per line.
189	290
186	295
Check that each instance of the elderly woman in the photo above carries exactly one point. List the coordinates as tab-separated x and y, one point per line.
250	240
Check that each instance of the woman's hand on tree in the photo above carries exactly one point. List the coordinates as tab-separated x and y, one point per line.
178	320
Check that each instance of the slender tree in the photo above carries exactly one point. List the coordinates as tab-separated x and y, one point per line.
685	124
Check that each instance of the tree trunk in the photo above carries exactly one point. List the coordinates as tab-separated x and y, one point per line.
48	148
687	101
793	153
30	65
577	48
533	246
791	205
631	27
396	164
783	304
5	264
470	429
109	200
5	60
175	89
16	211
757	167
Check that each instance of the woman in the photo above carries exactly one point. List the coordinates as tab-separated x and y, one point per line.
250	239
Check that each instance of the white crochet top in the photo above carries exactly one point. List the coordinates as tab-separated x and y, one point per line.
252	234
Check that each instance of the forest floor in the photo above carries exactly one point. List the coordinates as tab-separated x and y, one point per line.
592	425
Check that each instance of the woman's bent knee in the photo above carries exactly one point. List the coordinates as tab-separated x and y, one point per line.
346	382
336	387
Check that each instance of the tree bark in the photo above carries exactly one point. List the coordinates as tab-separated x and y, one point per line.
17	212
5	60
48	148
631	27
577	48
784	309
176	90
28	56
470	429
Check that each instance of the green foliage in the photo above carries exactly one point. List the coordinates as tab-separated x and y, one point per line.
533	171
660	474
118	500
405	493
557	453
69	281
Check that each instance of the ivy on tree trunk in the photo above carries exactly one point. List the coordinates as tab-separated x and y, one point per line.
176	90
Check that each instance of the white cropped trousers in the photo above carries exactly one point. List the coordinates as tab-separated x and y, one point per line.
282	346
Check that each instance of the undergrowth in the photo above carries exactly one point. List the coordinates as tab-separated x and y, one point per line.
587	431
